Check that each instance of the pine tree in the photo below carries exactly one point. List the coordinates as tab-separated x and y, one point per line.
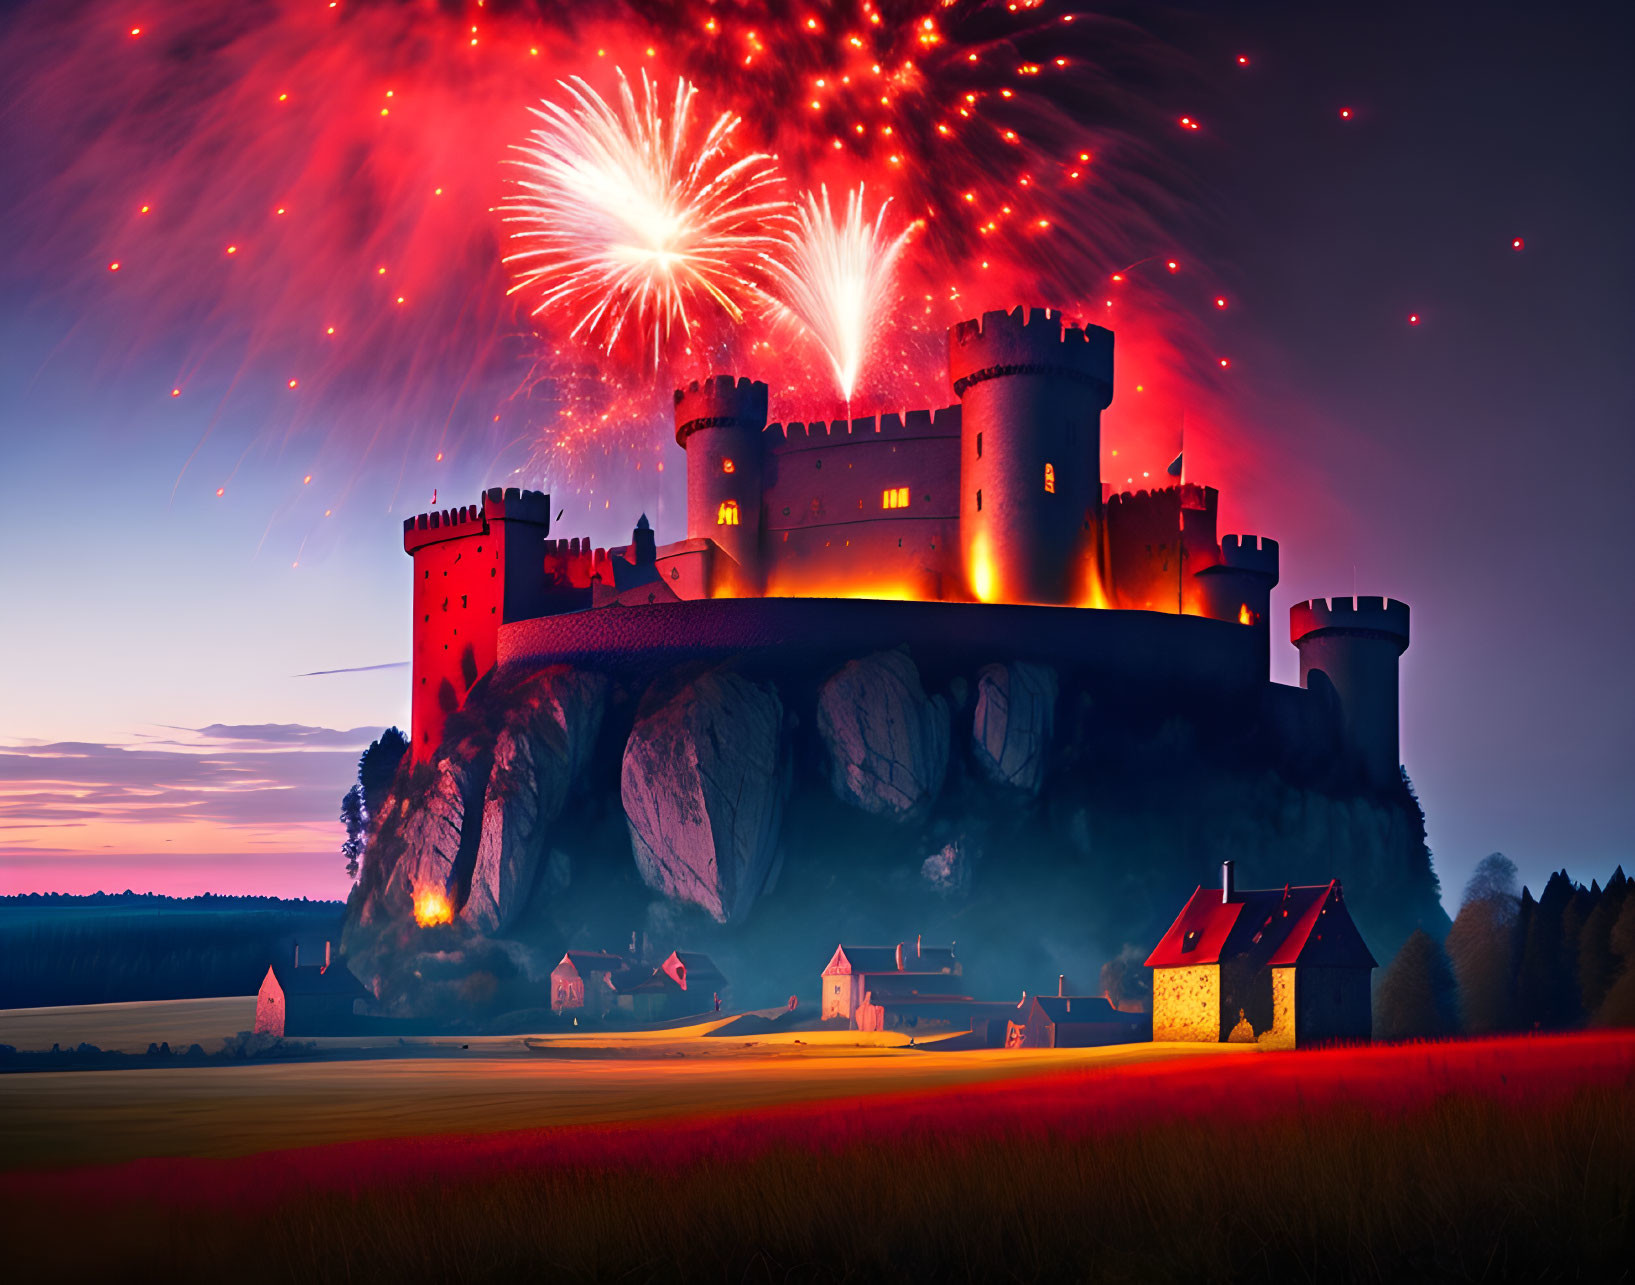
1597	965
1543	987
376	768
1481	946
352	819
1618	1008
1417	996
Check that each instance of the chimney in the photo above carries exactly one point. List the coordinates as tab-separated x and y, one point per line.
326	954
296	962
1061	984
1229	887
900	957
919	946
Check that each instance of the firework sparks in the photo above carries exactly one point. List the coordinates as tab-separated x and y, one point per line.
627	217
836	277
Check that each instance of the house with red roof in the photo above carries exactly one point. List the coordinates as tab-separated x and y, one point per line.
1284	966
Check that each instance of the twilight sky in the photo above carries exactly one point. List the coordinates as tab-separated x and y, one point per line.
164	724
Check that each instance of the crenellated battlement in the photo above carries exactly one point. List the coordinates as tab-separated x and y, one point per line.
1384	617
1254	554
796	435
1029	341
1187	495
721	401
576	564
498	504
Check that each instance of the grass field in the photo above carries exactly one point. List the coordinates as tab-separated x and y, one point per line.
1490	1160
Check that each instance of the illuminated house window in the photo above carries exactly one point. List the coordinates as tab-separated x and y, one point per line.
895	497
1050	479
727	466
727	514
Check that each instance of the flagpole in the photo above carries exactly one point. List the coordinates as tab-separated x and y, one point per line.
1181	519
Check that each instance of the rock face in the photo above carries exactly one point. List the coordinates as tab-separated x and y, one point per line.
887	742
430	832
703	794
540	750
1013	723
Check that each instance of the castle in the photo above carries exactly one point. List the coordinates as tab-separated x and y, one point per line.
985	521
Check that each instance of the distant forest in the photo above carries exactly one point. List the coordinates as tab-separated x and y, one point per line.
1513	962
112	947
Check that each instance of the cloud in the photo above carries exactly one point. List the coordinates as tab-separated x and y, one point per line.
354	669
286	734
242	777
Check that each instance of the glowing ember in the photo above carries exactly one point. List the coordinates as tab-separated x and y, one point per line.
431	906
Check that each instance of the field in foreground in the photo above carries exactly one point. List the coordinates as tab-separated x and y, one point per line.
1488	1160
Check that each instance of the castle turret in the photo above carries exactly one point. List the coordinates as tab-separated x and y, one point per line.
475	569
719	422
1349	649
1030	452
1239	586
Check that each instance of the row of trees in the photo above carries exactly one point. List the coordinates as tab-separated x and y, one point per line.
362	803
1513	963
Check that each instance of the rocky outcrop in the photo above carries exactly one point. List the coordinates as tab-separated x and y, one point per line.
1013	723
887	741
703	793
540	750
429	833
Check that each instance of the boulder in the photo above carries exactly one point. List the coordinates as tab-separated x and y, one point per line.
703	793
887	741
1013	723
540	750
429	832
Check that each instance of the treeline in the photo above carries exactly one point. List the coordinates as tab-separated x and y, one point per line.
99	950
1515	963
203	901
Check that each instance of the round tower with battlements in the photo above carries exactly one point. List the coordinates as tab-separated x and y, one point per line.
719	422
1349	649
1032	394
1239	586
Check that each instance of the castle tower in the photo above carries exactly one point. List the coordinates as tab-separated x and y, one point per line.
474	569
1349	648
1032	395
719	422
1239	586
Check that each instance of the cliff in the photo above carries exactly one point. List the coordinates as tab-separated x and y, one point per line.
761	811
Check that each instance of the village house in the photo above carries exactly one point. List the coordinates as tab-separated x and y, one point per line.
686	983
583	981
853	971
313	994
1063	1021
1285	967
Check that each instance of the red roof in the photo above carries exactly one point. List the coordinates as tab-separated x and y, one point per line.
1277	926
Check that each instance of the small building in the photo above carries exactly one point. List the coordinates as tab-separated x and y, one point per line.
314	995
1284	966
686	983
854	971
1063	1021
584	981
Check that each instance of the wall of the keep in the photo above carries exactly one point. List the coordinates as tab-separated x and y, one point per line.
459	592
1186	1003
831	522
1156	542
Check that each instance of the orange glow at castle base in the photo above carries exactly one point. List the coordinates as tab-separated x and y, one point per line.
431	906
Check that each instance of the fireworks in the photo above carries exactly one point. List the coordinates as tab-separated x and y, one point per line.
627	217
837	276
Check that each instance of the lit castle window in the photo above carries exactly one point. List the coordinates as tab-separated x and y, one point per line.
1050	479
727	514
727	466
895	497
